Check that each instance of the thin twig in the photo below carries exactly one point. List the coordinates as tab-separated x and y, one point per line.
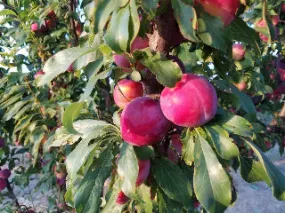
72	23
12	195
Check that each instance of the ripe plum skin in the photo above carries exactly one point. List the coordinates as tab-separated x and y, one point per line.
139	43
144	169
143	123
238	52
225	9
127	90
191	103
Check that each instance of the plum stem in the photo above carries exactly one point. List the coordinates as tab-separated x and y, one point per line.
178	61
153	96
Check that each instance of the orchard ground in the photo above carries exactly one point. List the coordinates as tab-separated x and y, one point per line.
251	197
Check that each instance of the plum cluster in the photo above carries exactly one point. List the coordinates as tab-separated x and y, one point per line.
49	24
144	120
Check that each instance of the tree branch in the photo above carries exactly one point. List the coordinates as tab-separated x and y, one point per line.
166	32
72	23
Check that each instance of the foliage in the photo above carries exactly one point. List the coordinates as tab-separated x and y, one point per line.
56	101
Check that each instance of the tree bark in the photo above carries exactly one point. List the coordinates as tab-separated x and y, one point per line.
166	32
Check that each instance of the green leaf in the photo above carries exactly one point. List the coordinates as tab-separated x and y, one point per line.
211	32
78	156
238	30
61	138
6	12
222	142
88	126
60	62
186	18
244	100
167	72
145	202
103	10
36	138
88	196
24	122
71	113
15	109
11	101
144	152
252	170
173	182
117	34
211	183
58	33
268	29
150	6
68	196
92	82
123	28
238	125
134	25
14	90
275	176
128	169
22	111
233	123
188	147
167	205
188	58
93	68
111	206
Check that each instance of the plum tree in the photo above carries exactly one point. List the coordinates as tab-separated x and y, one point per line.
50	23
127	90
122	62
241	85
262	24
225	9
139	43
3	184
238	52
281	69
34	27
5	173
191	103
177	145
39	73
70	68
122	198
183	90
143	123
144	169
